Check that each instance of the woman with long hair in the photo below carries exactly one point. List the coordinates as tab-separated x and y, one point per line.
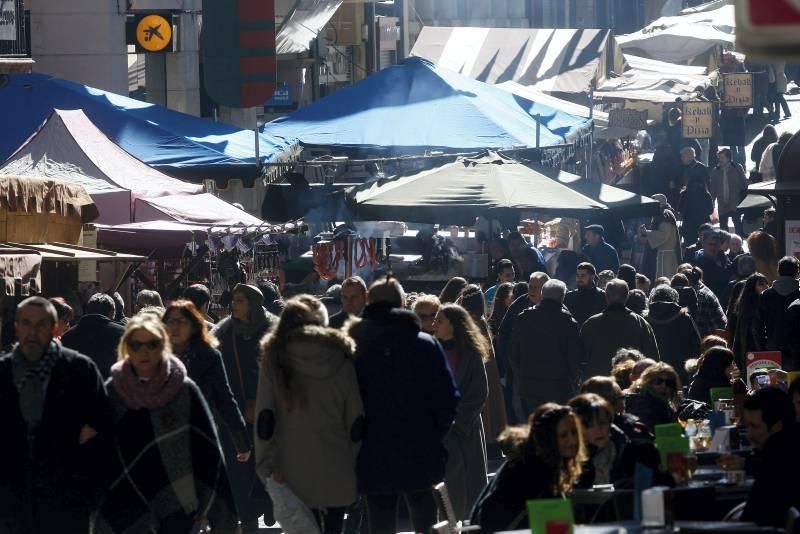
467	349
746	337
544	460
452	289
494	414
714	371
503	298
196	348
310	416
239	336
167	453
655	396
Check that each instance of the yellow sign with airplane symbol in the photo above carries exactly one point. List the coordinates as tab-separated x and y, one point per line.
154	33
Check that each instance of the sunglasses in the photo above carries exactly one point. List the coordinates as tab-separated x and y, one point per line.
668	381
136	346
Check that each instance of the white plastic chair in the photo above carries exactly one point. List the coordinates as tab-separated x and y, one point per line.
451	525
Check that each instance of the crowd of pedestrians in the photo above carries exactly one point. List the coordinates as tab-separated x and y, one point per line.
175	420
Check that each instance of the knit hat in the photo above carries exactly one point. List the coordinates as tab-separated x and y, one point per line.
253	294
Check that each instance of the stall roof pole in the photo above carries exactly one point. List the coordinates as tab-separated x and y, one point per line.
258	148
538	130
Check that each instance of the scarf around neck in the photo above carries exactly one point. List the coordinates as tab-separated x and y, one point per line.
151	394
43	369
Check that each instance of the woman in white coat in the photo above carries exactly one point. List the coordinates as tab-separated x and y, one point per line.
663	237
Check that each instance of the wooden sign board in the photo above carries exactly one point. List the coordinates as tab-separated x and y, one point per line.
627	118
698	120
738	89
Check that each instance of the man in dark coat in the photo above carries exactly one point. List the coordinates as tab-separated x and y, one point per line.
602	255
97	335
616	328
693	170
545	350
692	250
410	401
717	270
354	298
505	335
768	416
527	259
587	299
676	333
773	320
55	421
709	315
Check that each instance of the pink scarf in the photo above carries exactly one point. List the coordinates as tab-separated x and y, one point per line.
153	393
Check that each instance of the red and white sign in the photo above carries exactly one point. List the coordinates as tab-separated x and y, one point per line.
768	27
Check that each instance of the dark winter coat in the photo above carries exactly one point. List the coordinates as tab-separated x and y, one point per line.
700	388
506	332
696	207
793	316
618	441
97	337
676	334
338	320
158	452
502	504
466	442
204	366
616	328
774	327
66	476
695	171
717	273
410	401
546	353
650	410
775	488
585	302
604	257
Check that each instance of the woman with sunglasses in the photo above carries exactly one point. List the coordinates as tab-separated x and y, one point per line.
194	346
466	349
544	462
655	396
167	473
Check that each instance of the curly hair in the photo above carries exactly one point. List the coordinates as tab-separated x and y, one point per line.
467	334
645	382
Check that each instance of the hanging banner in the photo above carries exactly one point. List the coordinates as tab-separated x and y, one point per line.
698	120
238	46
8	20
793	238
738	90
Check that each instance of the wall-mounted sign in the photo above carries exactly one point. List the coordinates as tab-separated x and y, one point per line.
768	27
793	238
627	118
8	20
698	120
738	90
154	33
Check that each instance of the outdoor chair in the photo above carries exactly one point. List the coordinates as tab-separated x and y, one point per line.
451	525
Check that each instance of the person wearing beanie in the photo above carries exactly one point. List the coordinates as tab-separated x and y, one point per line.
239	337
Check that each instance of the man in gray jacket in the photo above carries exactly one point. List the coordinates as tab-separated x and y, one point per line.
728	187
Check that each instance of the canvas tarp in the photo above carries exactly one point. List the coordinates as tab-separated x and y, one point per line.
461	191
684	37
69	147
553	61
203	209
649	87
20	270
42	195
416	107
174	143
307	19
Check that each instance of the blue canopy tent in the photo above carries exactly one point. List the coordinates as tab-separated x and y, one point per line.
415	107
175	143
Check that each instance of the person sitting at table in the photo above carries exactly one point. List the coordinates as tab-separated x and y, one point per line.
769	421
794	394
544	462
655	395
712	372
609	389
604	441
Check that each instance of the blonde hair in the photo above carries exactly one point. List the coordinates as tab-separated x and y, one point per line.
426	300
652	372
149	323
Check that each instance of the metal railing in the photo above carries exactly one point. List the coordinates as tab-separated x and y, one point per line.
14	29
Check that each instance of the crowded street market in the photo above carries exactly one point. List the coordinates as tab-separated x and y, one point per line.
404	266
